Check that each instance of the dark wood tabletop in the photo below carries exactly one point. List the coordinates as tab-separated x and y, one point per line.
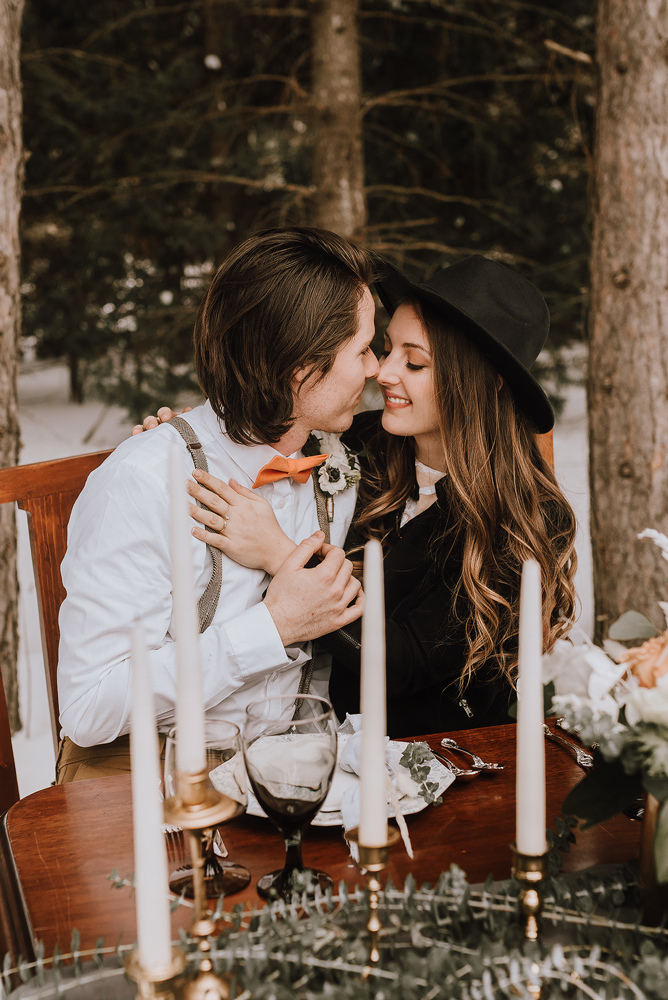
61	844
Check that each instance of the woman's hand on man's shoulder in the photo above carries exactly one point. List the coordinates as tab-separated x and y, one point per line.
163	416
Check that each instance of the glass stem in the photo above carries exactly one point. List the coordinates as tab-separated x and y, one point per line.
293	854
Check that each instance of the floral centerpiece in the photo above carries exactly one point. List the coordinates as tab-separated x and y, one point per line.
617	701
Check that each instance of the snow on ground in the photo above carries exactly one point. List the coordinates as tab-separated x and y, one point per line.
52	427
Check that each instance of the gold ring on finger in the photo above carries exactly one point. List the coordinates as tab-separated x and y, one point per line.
225	519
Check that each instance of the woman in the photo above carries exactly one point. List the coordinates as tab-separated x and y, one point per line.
455	487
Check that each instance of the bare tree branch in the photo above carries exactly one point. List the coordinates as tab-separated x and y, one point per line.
163	179
178	8
405	192
393	95
388	15
400	247
378	227
563	50
39	54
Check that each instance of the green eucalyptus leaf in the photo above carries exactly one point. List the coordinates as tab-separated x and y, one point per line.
603	793
632	625
661	845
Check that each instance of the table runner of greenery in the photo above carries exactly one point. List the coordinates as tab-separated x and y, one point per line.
451	940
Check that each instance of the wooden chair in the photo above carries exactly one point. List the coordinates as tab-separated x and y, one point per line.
47	491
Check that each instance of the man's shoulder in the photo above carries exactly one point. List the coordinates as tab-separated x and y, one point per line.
146	455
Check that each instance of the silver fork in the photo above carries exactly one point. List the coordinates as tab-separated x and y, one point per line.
565	728
478	762
584	759
459	772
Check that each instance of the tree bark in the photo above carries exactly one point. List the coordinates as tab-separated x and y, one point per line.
628	373
11	178
338	156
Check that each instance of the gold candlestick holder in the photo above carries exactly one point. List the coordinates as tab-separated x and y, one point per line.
198	808
206	985
530	871
373	860
161	985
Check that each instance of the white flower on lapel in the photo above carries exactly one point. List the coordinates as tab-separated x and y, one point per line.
341	470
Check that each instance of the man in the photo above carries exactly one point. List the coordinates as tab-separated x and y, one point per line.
282	346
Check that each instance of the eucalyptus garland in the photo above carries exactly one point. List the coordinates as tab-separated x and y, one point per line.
449	941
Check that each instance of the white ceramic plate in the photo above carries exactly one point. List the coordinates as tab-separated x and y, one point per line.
330	814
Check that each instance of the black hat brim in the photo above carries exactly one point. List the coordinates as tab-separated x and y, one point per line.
394	288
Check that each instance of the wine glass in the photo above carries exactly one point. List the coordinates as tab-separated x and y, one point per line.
290	753
222	741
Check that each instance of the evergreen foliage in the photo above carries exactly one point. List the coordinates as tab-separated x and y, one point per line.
159	134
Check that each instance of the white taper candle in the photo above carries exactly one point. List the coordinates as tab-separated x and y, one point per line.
190	752
151	875
373	784
530	800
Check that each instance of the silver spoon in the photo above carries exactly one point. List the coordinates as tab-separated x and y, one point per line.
459	773
584	759
478	762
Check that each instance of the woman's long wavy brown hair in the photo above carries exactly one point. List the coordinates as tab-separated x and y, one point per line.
501	500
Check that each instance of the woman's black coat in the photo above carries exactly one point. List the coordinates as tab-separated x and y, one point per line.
426	645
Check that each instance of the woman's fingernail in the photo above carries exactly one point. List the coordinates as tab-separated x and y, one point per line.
197	474
233	482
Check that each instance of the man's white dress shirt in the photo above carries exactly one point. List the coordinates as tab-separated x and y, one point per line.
118	569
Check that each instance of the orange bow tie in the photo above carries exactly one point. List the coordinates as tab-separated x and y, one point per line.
281	468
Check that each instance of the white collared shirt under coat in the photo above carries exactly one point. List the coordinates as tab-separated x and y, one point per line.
118	569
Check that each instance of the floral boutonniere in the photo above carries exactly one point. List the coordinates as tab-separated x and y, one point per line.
341	470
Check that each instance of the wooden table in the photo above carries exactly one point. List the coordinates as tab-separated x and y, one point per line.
61	843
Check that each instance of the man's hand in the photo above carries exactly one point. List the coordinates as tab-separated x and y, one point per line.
164	416
308	603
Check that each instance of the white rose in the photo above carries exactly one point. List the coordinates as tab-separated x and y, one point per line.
604	674
649	705
331	444
567	667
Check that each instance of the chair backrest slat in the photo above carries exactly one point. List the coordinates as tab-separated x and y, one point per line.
47	491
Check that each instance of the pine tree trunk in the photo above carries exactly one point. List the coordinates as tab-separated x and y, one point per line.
11	177
628	375
338	155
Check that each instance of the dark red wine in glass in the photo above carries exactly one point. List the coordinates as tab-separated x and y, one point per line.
290	759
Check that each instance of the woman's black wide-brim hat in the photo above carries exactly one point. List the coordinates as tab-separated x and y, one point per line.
503	314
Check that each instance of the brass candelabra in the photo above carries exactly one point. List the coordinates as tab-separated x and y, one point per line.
198	808
530	871
373	860
160	985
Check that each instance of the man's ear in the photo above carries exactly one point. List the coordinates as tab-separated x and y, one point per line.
299	377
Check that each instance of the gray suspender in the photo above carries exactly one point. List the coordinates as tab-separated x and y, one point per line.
320	504
208	602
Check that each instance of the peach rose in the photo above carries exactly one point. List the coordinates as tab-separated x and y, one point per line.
649	661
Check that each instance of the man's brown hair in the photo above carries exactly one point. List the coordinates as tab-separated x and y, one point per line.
282	300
